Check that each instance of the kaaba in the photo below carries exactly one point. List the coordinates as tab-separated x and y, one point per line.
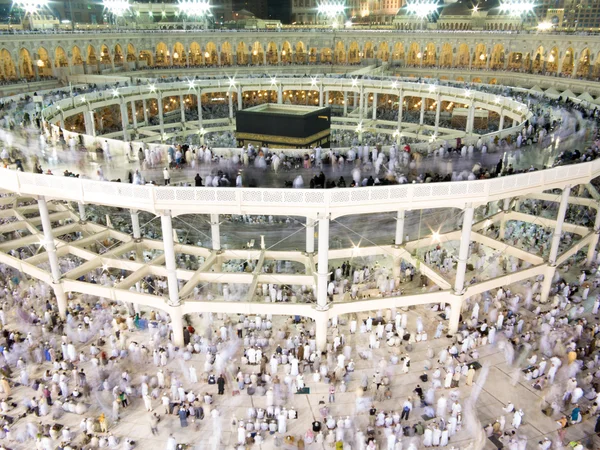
284	126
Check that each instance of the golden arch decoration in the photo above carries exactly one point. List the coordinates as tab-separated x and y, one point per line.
463	56
91	55
7	65
162	55
353	53
195	54
584	63
537	63
119	58
76	58
479	56
515	60
286	53
312	54
300	53
568	62
272	53
179	55
258	54
429	58
242	53
44	63
326	55
368	52
226	54
60	57
131	53
25	64
383	51
398	52
105	55
340	53
415	57
497	57
210	55
446	55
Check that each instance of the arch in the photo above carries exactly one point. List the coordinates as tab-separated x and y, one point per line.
91	55
368	52
596	69
446	55
43	63
272	53
493	81
60	57
210	54
568	62
429	58
476	80
105	55
537	63
300	53
383	51
552	60
312	54
463	56
515	60
179	55
497	57
118	58
460	79
286	53
242	53
226	54
131	53
398	53
480	56
147	57
162	54
583	64
340	53
353	53
257	53
326	55
76	58
415	57
7	65
25	64
195	54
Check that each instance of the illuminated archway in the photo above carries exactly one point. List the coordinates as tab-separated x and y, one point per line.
479	57
398	53
60	57
383	51
415	57
226	54
368	52
8	65
583	65
429	57
286	53
446	56
258	53
131	53
272	53
463	56
353	53
44	63
105	55
300	53
25	64
326	55
242	53
515	60
568	62
340	53
91	55
179	54
210	54
497	58
162	55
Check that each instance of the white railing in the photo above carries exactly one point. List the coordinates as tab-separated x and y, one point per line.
302	202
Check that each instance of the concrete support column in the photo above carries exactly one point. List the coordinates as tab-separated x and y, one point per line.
215	232
88	120
505	208
264	58
321	321
438	108
169	251
160	115
280	94
199	110
323	261
134	114
547	283
124	120
400	109
176	315
145	106
560	220
49	239
81	208
182	108
239	98
422	116
594	241
135	224
321	96
375	106
61	299
361	103
455	307
230	105
355	100
345	104
463	252
501	125
470	118
310	235
399	227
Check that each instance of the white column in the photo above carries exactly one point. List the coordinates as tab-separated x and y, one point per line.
61	299
463	253
49	239
547	283
399	227
470	118
400	109
280	94
230	103
145	106
501	124
176	315
422	116
135	224
321	321
361	104
455	307
321	96
182	108
81	208
323	261
239	98
214	232
560	220
88	120
375	106
594	242
160	115
199	110
438	108
345	104
169	249
134	114
310	235
124	120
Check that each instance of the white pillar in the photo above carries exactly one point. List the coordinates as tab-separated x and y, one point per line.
199	110
361	104
135	224
214	232
230	103
239	98
169	252
310	235
375	106
321	97
81	208
345	103
49	239
88	120
438	108
463	253
176	315
124	120
61	299
470	118
280	94
323	261
134	114
400	109
594	242
422	116
501	124
321	321
399	227
560	219
160	115
182	108
145	106
455	307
